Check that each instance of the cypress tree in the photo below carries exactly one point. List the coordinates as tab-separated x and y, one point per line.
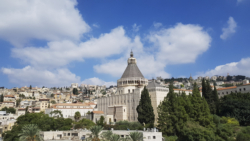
216	100
172	114
204	87
144	109
200	109
1	98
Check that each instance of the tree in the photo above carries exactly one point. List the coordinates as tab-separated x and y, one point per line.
244	134
1	98
145	109
26	110
30	132
18	102
107	135
101	121
84	123
77	115
52	95
172	113
30	87
56	113
9	110
236	105
194	132
43	121
75	91
95	131
215	101
136	136
204	88
200	110
53	101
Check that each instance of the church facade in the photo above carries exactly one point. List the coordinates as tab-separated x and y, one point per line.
122	105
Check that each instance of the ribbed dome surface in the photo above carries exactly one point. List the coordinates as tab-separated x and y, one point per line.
132	71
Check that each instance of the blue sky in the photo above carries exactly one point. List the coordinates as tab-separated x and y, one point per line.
59	42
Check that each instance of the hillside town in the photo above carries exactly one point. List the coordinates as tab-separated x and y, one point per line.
114	103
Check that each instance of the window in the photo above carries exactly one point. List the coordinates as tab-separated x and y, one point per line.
122	136
124	110
244	89
154	137
222	92
149	137
227	92
128	90
133	90
68	134
240	90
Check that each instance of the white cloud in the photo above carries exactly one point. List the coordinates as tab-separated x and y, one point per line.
61	53
230	29
234	68
96	25
177	45
180	44
38	77
157	25
136	28
97	81
51	20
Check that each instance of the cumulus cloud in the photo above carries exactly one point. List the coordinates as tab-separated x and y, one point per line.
23	20
38	77
61	53
97	81
136	27
157	25
234	68
180	44
145	61
230	29
177	45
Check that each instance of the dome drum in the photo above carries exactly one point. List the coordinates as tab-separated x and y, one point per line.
134	81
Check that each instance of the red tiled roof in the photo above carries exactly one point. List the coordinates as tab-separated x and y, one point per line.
9	96
98	112
233	87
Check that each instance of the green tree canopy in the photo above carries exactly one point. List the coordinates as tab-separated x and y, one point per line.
75	91
30	132
9	110
144	109
172	113
77	115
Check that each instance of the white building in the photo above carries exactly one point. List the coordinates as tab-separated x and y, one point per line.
148	135
242	89
69	109
74	85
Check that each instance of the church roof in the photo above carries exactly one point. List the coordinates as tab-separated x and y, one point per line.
153	84
132	71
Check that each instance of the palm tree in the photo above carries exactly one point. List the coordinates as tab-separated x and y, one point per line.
114	137
95	130
107	135
136	136
77	115
30	132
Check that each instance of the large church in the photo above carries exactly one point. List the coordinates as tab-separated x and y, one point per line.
122	105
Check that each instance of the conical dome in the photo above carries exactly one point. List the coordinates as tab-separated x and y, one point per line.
132	69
